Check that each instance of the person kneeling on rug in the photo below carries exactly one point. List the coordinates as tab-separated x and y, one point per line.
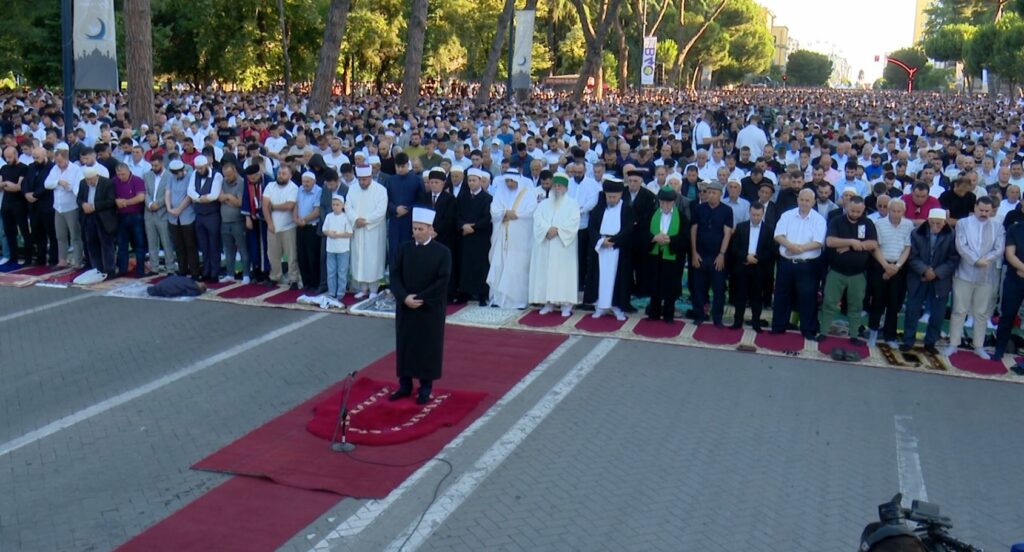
176	286
419	281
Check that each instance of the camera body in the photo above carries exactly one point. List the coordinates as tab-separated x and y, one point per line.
931	530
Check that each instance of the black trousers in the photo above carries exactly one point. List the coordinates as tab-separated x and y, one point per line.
44	234
796	283
307	247
207	234
185	249
15	218
666	281
886	298
100	244
582	255
748	291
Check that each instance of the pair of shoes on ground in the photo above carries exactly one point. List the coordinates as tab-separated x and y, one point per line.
421	398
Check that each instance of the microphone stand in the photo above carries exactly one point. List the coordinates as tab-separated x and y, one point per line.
342	424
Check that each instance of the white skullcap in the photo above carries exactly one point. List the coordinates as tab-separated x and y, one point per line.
89	172
423	215
850	189
363	171
200	161
937	214
176	165
61	146
309	174
359	154
339	197
374	160
457	169
477	172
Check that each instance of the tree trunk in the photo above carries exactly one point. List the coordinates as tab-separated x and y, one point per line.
414	54
684	50
330	51
494	55
139	61
623	57
692	84
284	51
595	38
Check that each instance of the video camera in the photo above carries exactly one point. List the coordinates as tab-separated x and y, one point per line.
932	530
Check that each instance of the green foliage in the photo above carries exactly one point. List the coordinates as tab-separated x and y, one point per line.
944	13
895	76
805	68
934	78
610	68
573	49
1008	55
978	50
947	43
666	50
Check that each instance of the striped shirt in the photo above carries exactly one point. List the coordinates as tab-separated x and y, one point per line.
893	238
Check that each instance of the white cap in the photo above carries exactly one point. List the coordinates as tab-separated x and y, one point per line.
374	160
339	197
61	146
309	174
477	172
849	190
200	161
423	215
89	172
363	171
937	214
176	165
457	169
359	154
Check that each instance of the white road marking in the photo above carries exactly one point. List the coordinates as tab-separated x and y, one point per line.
373	509
127	396
468	482
908	462
47	306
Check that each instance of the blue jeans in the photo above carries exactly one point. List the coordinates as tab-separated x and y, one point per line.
131	227
1013	296
337	274
923	296
796	282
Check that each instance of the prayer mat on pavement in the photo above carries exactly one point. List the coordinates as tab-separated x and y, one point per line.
247	291
376	421
606	324
657	329
970	362
789	341
831	343
13	279
709	333
550	320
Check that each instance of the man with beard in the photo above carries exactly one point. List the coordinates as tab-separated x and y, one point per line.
553	268
512	216
279	200
204	190
367	208
41	213
644	205
473	224
403	188
850	239
611	229
668	237
710	231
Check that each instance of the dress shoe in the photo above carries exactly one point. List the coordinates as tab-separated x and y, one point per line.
400	394
931	349
294	286
904	348
422	398
736	326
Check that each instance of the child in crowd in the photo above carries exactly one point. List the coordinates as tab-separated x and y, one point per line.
338	231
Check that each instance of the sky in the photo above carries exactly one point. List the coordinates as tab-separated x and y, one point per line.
858	30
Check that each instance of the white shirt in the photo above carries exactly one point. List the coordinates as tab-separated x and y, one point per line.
800	229
64	200
275	144
752	137
140	168
218	180
337	223
755	236
665	222
278	195
100	169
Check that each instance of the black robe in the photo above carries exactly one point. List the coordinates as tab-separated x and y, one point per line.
421	271
622	241
666	276
644	206
475	248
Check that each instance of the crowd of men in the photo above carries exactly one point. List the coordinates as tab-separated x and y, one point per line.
813	203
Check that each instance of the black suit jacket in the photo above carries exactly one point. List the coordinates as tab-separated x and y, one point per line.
644	206
740	243
34	183
444	218
106	207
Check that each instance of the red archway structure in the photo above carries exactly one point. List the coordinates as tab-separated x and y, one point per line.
911	71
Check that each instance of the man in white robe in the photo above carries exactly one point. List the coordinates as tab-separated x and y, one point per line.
366	207
512	214
553	263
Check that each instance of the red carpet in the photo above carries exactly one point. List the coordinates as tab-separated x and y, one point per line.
536	320
286	297
451	309
605	324
243	513
64	279
789	341
38	270
282	449
376	421
247	291
657	329
970	362
708	333
830	343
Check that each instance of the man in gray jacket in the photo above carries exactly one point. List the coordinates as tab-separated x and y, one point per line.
157	234
932	263
232	225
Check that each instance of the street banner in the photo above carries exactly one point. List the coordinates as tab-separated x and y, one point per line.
522	51
95	46
647	62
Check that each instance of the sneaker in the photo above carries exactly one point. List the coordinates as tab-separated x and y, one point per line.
245	280
619	315
982	354
924	318
598	313
226	279
373	295
949	350
4	260
566	312
547	309
892	343
361	295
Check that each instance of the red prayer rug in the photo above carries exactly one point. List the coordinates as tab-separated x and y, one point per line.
713	335
789	341
43	271
605	324
831	343
64	279
535	319
286	297
657	329
247	291
376	421
13	279
970	362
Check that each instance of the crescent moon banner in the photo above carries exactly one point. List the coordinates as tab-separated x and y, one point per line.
647	60
522	52
95	46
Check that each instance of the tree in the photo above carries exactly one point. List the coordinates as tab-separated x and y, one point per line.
1008	55
330	50
688	41
284	50
594	36
414	54
805	68
494	55
947	43
977	53
139	48
897	77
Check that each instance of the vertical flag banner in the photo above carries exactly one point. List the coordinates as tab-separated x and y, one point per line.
648	60
95	45
522	51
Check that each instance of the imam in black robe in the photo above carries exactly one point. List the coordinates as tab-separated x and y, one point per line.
644	205
666	276
475	248
623	275
421	271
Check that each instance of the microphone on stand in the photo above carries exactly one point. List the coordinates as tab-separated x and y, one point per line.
343	445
